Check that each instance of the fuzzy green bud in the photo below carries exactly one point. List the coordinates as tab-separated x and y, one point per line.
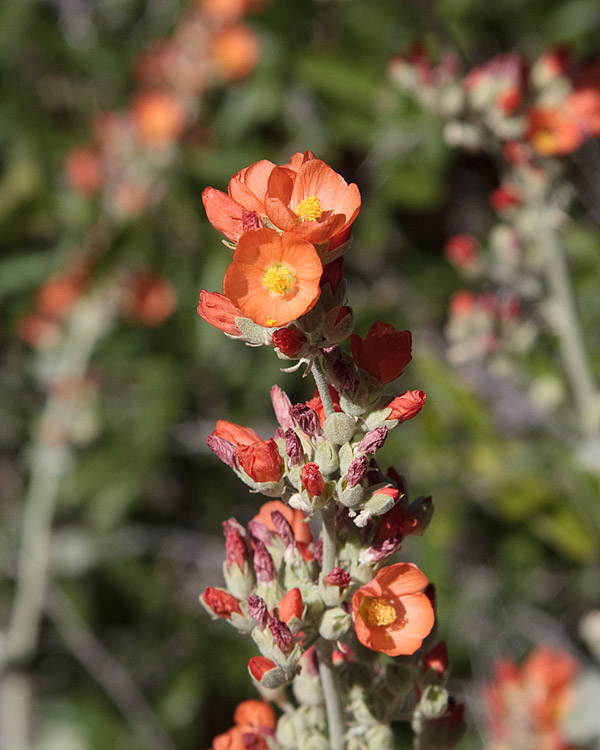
254	334
379	737
326	458
311	741
434	701
334	624
286	732
339	428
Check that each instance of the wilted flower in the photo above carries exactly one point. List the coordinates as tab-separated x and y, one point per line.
384	353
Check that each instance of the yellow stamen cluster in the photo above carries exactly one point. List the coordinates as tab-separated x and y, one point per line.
380	612
309	209
545	142
279	279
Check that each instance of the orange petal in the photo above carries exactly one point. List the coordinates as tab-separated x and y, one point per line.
248	187
402	579
223	213
255	714
234	433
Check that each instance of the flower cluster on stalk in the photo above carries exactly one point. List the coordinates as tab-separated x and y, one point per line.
290	588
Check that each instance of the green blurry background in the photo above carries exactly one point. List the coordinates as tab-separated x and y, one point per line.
513	548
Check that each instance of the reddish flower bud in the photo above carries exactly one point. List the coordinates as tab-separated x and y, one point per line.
357	470
283	527
436	659
282	406
261	461
263	564
372	441
333	272
312	479
259	665
337	577
384	353
235	547
461	250
291	605
381	549
504	197
220	312
289	341
306	419
282	635
406	406
258	610
293	447
221	602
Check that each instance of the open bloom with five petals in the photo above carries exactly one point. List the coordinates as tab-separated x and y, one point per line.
391	613
273	279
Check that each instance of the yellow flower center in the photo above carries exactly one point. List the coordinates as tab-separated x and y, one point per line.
279	279
380	612
309	209
545	142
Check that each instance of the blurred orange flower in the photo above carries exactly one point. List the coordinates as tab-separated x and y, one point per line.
253	719
236	51
159	117
525	706
552	131
273	279
83	170
149	299
391	613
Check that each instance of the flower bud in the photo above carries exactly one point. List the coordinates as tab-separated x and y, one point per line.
351	497
337	577
406	406
421	510
282	635
338	324
267	673
435	665
282	406
312	479
326	457
307	420
258	610
372	441
335	623
379	503
357	470
434	702
339	428
219	603
263	564
293	447
289	341
312	741
291	605
379	737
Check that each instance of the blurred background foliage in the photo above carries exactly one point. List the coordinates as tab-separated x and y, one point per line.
513	548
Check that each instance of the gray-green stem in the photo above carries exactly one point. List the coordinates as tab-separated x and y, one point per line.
331	693
322	387
568	330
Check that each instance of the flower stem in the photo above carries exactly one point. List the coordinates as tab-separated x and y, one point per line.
333	703
322	387
568	331
329	538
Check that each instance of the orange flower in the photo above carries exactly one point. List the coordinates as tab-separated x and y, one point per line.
552	131
57	296
406	406
273	278
159	117
243	207
236	51
313	200
217	310
391	612
83	170
384	353
242	447
149	299
253	719
525	706
297	520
